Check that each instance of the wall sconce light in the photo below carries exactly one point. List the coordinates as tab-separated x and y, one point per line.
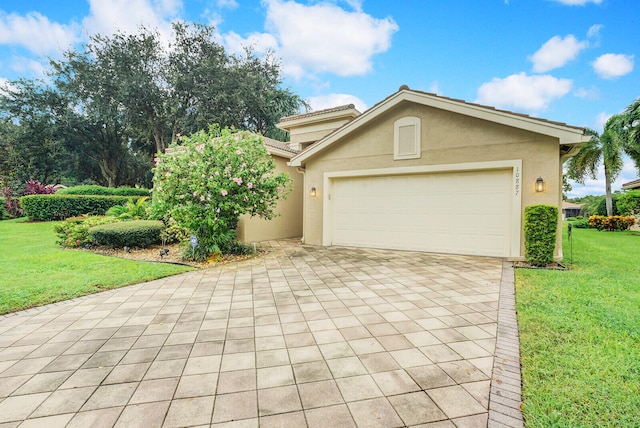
539	184
313	192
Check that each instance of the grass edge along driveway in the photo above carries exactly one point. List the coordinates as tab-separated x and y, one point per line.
35	271
580	334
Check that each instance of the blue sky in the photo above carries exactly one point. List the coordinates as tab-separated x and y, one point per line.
573	61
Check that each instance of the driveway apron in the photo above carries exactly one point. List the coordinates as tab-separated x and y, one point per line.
302	336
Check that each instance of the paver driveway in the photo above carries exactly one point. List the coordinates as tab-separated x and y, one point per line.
304	336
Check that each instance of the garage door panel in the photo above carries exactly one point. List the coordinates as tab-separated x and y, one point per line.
460	213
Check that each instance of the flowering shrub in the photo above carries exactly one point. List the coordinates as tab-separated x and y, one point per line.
212	179
614	223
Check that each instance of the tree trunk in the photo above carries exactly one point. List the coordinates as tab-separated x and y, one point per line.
608	198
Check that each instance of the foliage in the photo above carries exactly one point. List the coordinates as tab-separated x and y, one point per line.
631	124
34	187
59	207
580	223
606	149
173	232
101	190
137	233
540	225
4	214
36	271
74	231
579	335
11	204
213	179
131	210
612	223
107	107
629	203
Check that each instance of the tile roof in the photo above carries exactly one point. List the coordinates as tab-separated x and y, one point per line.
270	142
632	184
318	112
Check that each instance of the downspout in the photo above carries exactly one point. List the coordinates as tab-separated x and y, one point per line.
303	171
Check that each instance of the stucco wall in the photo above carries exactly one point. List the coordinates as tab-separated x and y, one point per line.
446	138
288	224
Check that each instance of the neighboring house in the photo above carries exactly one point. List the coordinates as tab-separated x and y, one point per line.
418	171
288	223
632	185
570	209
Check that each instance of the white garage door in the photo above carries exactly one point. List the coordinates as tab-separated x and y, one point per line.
457	213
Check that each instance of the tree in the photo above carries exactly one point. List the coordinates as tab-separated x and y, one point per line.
116	101
631	124
606	149
212	179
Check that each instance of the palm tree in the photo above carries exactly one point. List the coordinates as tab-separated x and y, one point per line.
605	148
631	125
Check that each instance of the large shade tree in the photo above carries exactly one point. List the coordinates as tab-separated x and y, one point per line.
119	99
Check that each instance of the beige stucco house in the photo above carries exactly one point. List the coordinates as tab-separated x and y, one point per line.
288	223
418	171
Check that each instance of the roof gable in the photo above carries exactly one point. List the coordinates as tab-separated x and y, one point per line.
566	134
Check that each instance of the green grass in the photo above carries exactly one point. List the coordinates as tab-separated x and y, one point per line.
580	335
35	271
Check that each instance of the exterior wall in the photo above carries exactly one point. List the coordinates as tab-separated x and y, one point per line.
446	138
288	224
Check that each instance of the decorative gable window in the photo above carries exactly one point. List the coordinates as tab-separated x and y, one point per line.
406	138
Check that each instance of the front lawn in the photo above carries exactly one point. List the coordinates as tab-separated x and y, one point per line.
35	271
580	335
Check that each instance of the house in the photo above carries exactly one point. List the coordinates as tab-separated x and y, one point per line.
288	223
570	209
419	171
632	185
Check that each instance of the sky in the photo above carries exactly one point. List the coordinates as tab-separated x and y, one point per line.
572	61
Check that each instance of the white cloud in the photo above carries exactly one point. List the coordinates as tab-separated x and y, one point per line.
592	93
578	2
435	88
324	38
601	121
610	66
29	66
594	31
556	52
108	16
259	42
335	100
227	4
37	34
523	92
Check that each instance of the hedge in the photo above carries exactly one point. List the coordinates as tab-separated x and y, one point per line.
59	207
105	191
614	223
4	214
136	233
540	226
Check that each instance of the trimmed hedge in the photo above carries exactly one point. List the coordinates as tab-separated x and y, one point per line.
59	207
136	233
4	214
614	223
105	191
540	228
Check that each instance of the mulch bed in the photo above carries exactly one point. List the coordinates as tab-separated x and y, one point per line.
551	266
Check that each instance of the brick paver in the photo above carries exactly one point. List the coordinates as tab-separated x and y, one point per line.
302	336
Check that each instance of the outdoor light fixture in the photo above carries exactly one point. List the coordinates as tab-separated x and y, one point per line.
313	192
539	184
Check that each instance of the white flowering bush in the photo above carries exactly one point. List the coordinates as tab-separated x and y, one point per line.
213	178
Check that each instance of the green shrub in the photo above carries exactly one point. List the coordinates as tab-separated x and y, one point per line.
131	210
4	214
105	191
629	203
540	226
59	207
74	231
580	223
614	223
136	233
571	219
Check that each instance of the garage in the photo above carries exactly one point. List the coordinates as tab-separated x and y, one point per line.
463	212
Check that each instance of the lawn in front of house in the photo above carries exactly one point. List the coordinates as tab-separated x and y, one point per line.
34	270
580	334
